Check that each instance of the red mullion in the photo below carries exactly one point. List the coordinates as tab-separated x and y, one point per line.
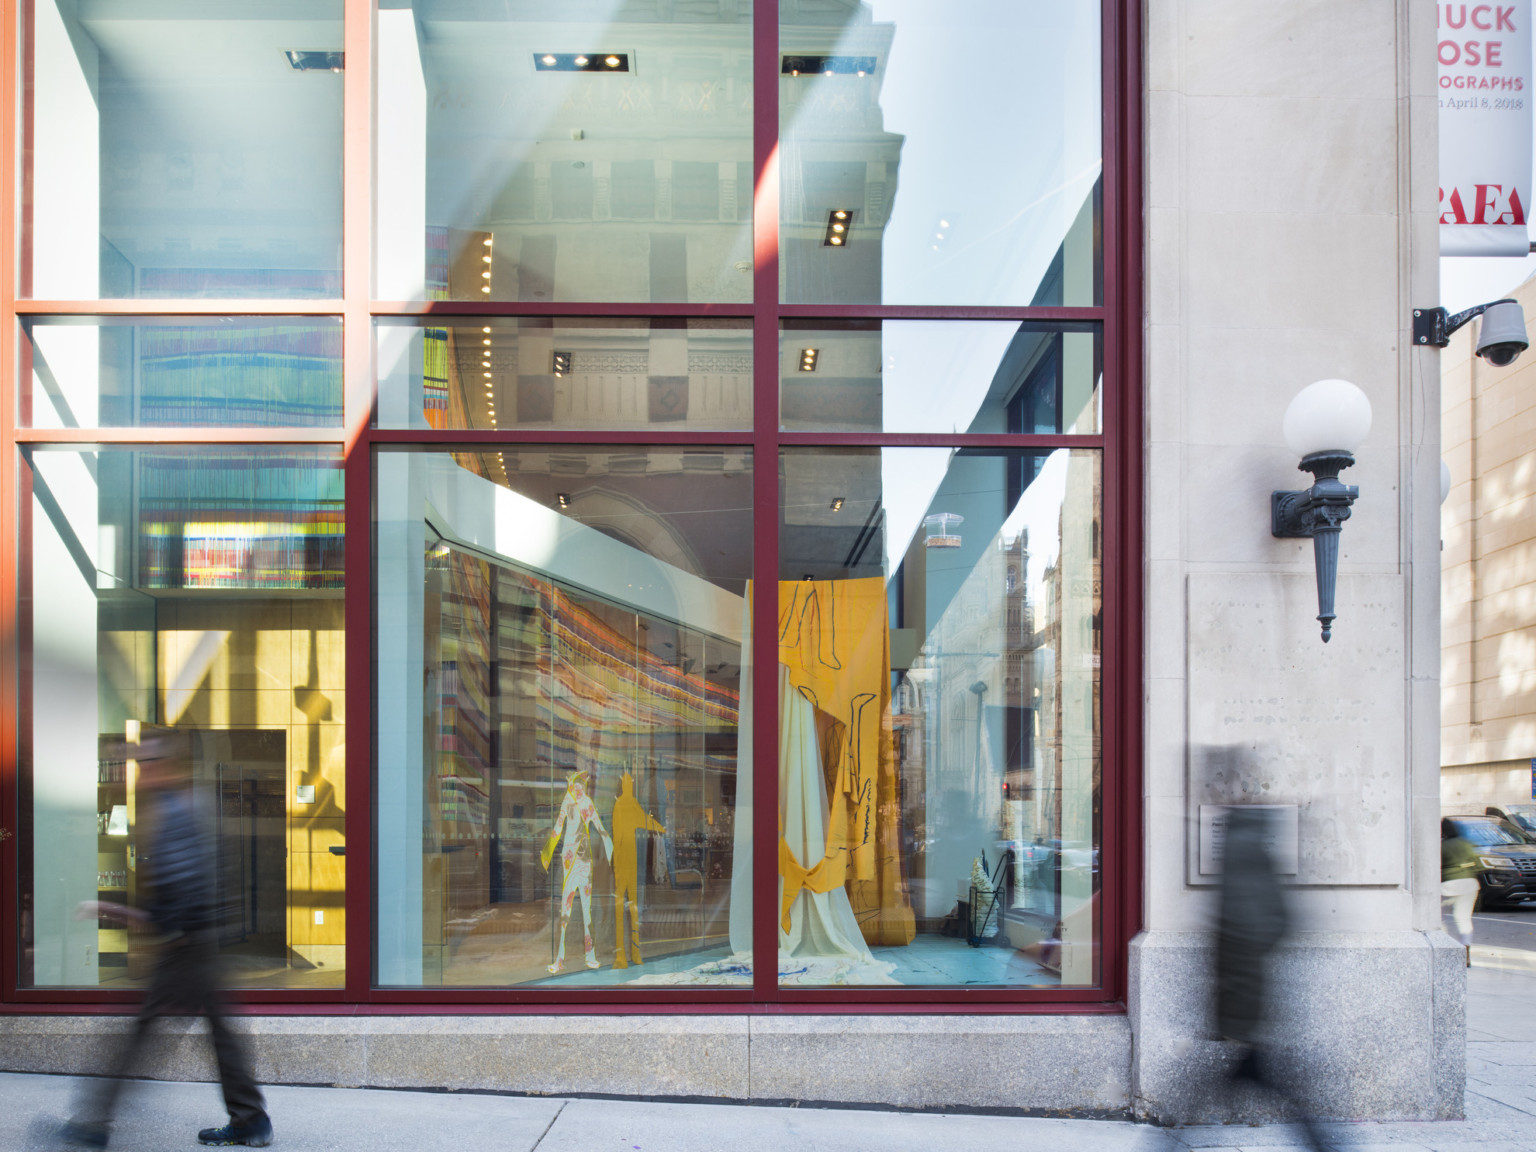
179	306
1123	480
1052	314
10	505
18	33
357	415
1112	777
514	308
937	440
514	1000
466	437
94	437
998	999
765	502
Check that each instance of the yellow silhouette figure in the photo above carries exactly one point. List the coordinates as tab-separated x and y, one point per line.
628	818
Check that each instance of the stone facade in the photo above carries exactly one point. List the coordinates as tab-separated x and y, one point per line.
1290	208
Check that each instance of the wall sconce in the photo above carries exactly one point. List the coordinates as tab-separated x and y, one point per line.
1324	425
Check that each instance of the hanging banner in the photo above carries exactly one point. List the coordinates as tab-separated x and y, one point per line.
1485	128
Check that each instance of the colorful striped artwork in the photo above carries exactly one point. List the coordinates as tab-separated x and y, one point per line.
596	697
240	518
209	375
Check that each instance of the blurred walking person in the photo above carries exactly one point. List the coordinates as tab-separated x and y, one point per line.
1254	922
1459	868
176	883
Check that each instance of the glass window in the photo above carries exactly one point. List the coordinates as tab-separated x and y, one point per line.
565	372
107	372
563	760
565	150
972	376
189	598
939	153
185	150
939	688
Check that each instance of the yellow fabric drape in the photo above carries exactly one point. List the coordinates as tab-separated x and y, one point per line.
835	641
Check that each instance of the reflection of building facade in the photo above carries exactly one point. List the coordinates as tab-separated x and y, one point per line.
1488	710
805	453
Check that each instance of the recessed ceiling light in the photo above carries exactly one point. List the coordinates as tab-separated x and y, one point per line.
485	329
309	61
827	65
488	241
486	341
581	62
839	222
486	288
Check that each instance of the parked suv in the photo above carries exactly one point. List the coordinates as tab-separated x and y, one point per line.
1522	816
1509	862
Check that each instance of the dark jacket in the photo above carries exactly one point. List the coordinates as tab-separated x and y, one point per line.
175	863
1254	921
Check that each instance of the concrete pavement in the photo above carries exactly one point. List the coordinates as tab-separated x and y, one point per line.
1501	1110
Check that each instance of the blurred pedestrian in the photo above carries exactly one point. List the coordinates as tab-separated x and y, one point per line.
1254	922
1459	868
176	885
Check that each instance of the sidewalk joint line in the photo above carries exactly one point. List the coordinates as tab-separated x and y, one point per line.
534	1147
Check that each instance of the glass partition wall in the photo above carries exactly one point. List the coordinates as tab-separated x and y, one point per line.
704	451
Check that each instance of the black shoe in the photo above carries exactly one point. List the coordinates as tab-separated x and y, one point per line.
80	1135
256	1134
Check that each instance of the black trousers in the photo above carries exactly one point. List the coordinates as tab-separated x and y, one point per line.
185	981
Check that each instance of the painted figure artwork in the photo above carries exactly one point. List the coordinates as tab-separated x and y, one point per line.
629	818
573	833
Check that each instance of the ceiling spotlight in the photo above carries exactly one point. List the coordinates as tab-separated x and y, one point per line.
487	259
305	61
485	288
485	329
943	223
808	358
837	504
487	375
581	62
485	275
563	499
826	65
562	363
488	241
486	341
839	221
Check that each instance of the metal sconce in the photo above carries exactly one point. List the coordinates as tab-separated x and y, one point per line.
1324	425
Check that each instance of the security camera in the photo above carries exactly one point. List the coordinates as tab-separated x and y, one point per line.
1501	336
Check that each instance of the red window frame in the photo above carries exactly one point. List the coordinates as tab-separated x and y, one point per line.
1120	315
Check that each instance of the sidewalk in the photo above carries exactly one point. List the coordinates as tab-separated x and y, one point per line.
1501	1112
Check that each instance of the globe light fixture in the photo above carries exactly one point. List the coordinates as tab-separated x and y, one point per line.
1324	425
